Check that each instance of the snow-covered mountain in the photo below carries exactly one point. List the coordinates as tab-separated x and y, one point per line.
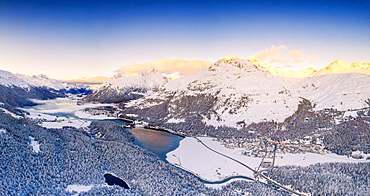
336	67
230	91
42	81
340	66
10	80
235	92
123	87
15	91
337	91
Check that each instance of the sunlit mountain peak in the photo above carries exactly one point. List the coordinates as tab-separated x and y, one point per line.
230	57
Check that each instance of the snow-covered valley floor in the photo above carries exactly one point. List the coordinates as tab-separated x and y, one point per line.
195	157
191	155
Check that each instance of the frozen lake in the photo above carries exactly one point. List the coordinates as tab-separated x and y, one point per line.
68	113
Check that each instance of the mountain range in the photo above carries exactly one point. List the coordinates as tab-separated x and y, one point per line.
18	89
236	91
229	93
124	87
336	67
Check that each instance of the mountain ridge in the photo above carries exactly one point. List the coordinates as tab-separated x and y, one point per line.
236	90
124	87
336	67
42	80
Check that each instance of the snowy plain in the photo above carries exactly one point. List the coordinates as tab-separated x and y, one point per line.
206	164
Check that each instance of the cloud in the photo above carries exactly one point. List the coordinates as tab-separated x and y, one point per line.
281	57
295	53
314	58
270	52
168	66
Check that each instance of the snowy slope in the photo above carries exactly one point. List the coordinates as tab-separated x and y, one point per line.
336	67
340	66
234	92
15	91
145	80
233	89
42	81
124	87
10	80
339	91
340	85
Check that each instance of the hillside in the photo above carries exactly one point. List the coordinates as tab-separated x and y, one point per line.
124	87
42	81
15	91
236	93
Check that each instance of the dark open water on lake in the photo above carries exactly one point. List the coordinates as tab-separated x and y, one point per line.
159	142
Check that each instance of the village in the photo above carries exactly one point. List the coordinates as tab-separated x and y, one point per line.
266	148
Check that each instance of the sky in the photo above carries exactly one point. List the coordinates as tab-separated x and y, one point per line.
70	39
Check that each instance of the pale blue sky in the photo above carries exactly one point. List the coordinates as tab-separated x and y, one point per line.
72	39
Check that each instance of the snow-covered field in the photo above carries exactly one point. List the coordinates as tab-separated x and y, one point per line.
35	145
61	105
2	130
86	115
76	188
193	156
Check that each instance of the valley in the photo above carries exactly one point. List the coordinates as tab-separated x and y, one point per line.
184	98
217	129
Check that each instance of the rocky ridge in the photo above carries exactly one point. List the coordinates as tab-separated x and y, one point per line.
124	87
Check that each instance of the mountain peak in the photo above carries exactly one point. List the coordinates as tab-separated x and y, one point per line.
150	72
41	76
337	64
42	80
127	86
243	64
9	79
340	67
230	57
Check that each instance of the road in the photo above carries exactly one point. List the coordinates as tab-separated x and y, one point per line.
256	173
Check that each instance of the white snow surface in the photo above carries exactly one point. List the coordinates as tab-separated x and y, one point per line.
175	120
8	79
62	122
193	156
87	115
63	105
78	188
340	66
250	93
146	80
42	81
35	145
338	91
11	113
